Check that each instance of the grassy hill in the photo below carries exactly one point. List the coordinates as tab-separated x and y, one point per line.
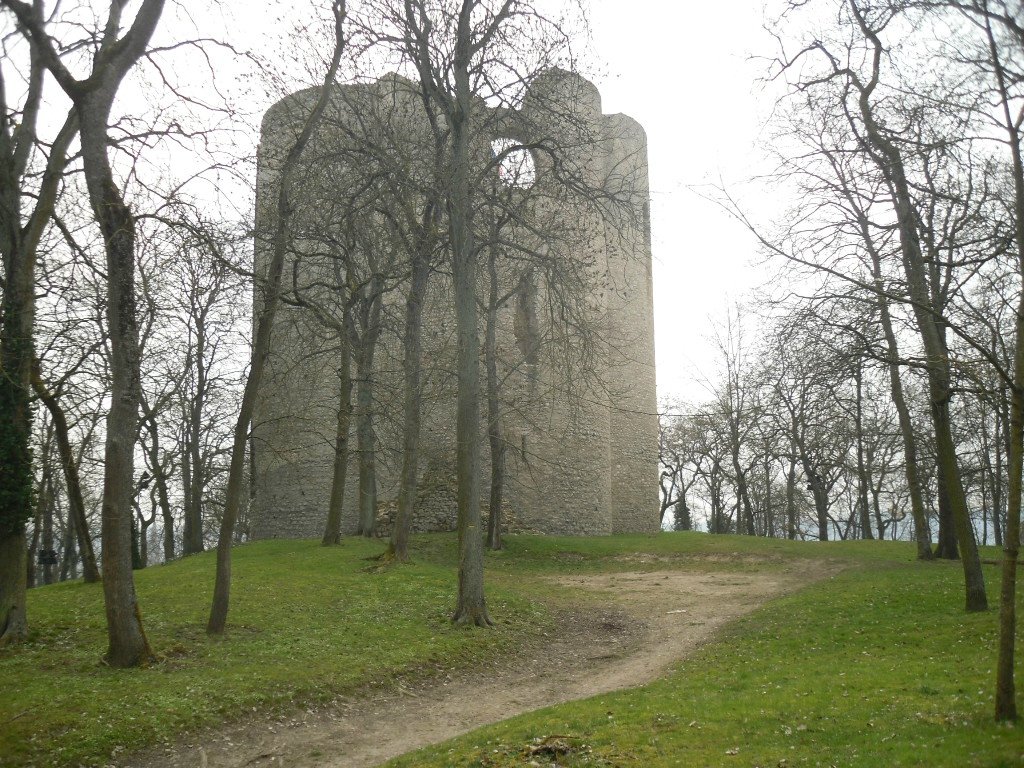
877	666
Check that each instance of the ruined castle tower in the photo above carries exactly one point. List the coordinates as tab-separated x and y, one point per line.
574	325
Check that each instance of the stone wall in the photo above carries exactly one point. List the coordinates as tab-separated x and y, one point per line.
578	395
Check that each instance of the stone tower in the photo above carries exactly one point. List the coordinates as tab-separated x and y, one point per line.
574	330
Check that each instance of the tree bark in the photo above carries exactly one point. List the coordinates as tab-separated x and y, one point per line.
946	545
127	644
495	438
192	459
70	554
791	496
18	250
1002	442
33	550
261	341
862	473
332	531
471	607
46	499
1006	699
16	329
922	531
72	483
741	488
160	481
412	363
13	586
890	162
366	348
820	494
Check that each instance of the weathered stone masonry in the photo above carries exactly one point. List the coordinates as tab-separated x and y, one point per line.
583	441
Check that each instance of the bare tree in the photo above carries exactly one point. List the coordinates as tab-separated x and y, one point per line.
679	456
265	318
20	235
889	158
93	98
461	52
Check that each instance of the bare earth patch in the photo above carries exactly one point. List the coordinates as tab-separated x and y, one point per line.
645	622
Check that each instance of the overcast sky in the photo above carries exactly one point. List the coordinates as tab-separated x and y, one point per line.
684	70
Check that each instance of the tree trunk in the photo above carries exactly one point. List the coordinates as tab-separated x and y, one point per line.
1006	702
13	583
160	481
192	459
144	525
1006	699
167	523
997	475
46	499
367	458
791	496
137	558
364	419
862	473
876	505
186	494
33	551
741	490
1002	449
68	553
471	607
412	362
922	531
261	341
946	546
717	505
495	438
986	472
127	644
332	531
890	162
72	483
16	353
820	495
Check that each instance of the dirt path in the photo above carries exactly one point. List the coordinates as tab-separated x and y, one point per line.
597	651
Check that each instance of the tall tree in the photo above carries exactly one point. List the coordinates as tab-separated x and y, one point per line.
889	158
1002	25
72	480
271	290
93	97
424	242
19	241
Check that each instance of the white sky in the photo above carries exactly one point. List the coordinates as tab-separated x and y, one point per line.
683	70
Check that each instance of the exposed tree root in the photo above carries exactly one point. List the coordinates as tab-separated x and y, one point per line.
14	629
477	618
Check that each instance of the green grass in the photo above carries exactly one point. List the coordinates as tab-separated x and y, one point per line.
878	666
306	623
